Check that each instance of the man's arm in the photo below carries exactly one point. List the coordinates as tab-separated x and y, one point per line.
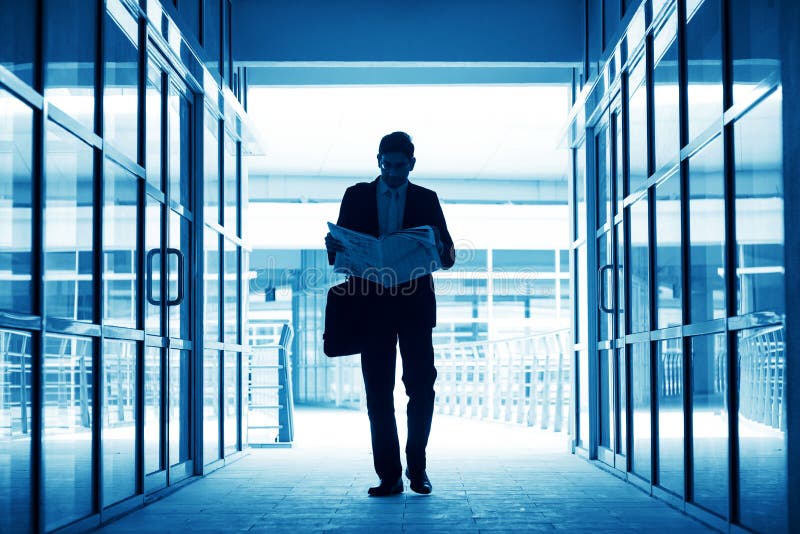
448	252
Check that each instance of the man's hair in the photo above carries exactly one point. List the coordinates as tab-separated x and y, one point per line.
397	142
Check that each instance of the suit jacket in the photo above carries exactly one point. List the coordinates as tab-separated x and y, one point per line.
414	302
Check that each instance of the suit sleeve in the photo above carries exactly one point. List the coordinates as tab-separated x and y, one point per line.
345	211
449	254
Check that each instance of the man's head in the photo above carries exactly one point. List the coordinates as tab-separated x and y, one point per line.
396	158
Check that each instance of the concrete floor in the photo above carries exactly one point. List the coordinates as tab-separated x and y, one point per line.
487	477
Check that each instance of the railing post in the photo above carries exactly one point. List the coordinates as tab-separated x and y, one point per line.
559	416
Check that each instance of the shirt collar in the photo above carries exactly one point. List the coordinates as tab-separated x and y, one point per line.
383	188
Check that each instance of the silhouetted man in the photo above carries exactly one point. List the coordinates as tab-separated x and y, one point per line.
406	312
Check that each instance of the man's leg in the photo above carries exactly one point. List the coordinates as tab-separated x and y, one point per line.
377	367
419	375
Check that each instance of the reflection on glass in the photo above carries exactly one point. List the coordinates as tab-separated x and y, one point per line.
231	293
620	280
580	297
152	266
18	39
68	225
710	422
762	429
606	405
211	406
153	102
212	17
153	452
70	57
707	233
231	401
119	420
603	166
583	396
668	252
120	94
639	270
180	154
619	163
179	313
669	386
231	165
119	246
758	149
16	178
211	287
637	127
179	406
211	167
755	48
704	64
665	93
580	191
67	435
622	447
605	291
640	399
15	432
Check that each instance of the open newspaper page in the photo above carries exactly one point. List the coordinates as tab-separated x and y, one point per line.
391	260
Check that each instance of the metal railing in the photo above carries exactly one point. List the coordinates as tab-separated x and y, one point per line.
761	377
524	380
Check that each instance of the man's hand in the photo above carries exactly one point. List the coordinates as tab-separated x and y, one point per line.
333	244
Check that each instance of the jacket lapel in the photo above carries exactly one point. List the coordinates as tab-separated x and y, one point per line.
408	209
371	210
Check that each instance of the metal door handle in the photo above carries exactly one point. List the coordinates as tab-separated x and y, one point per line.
149	276
177	301
601	279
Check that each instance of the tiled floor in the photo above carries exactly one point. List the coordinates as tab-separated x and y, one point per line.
486	477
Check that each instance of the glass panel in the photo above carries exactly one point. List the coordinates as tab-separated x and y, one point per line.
16	181
580	296
231	292
620	279
704	64
211	291
68	231
18	38
153	380
15	431
622	447
180	314
580	191
70	57
119	246
762	429
640	399
710	422
606	400
603	167
669	359
231	402
212	16
755	46
179	406
153	122
152	244
637	128
119	420
180	142
758	148
668	252
639	270
665	93
231	165
211	167
211	406
619	163
524	261
707	233
67	435
121	92
605	281
583	396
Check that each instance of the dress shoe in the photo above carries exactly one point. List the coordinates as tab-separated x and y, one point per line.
420	482
387	487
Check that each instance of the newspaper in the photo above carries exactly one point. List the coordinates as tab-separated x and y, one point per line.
391	259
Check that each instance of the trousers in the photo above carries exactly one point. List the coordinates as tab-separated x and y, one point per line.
378	360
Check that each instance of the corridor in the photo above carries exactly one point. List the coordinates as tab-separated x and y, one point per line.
487	477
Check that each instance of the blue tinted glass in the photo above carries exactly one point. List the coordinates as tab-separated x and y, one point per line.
710	422
758	149
70	28
211	167
704	64
606	400
119	246
67	433
639	269
231	165
16	179
665	94
231	303
120	94
583	396
153	261
231	400
180	153
119	420
707	233
212	18
637	128
211	407
68	225
669	360
179	312
620	280
622	446
523	260
603	171
17	40
211	287
605	316
15	440
640	398
668	252
580	191
153	381
762	429
755	48
582	334
179	406
153	111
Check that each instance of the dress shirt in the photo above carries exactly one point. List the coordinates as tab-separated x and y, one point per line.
391	206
